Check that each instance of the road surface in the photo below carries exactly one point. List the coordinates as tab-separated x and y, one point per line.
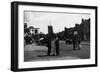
35	52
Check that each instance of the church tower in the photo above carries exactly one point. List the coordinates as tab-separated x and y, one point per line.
50	29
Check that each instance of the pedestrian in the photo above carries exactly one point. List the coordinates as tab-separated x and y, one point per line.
53	47
76	41
49	46
79	42
57	46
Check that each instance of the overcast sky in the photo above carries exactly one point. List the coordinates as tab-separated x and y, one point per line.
41	20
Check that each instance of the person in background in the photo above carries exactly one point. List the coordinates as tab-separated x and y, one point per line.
53	47
57	46
49	46
76	41
79	42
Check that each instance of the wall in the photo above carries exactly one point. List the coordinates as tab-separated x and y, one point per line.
5	20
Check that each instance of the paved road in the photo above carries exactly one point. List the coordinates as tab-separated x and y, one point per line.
37	53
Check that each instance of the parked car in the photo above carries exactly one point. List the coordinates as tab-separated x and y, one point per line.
42	41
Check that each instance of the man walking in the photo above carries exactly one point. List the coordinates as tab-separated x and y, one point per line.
57	46
76	41
49	46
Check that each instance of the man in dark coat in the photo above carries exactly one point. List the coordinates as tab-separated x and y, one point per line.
57	46
76	40
49	46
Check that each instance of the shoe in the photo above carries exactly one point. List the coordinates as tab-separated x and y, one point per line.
48	55
53	55
74	49
57	55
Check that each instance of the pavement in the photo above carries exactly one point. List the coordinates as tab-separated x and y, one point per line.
85	43
35	52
